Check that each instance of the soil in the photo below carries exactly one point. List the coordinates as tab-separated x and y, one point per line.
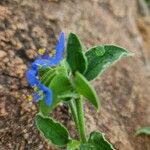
26	25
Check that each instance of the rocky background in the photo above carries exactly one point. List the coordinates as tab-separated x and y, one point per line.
124	90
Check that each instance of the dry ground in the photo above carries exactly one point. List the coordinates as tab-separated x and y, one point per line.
26	25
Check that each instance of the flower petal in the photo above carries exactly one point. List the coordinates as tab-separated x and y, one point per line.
48	97
48	94
46	56
31	76
40	63
49	62
59	49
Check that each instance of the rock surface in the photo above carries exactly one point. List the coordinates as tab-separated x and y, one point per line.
26	25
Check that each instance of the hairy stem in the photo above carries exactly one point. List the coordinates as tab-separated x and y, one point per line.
81	121
74	112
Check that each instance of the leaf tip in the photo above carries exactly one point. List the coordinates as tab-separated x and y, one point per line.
130	54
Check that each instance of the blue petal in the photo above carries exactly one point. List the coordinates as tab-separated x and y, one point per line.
40	63
48	97
46	56
31	76
48	94
59	49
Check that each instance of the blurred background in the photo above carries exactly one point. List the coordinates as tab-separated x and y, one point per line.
124	90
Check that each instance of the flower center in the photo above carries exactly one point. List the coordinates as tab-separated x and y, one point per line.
30	98
41	51
35	88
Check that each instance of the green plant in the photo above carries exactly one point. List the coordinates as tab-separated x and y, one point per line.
144	131
148	3
56	80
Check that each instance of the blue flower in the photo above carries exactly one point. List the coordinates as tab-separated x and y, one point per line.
45	60
50	60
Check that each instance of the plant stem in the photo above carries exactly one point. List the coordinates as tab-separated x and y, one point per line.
81	122
74	112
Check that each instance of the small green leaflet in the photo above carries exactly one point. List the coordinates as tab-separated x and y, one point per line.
44	109
97	141
144	131
73	145
102	57
48	76
84	88
43	70
75	56
51	130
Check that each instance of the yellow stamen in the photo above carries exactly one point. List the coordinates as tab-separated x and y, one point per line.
35	88
30	98
52	53
41	51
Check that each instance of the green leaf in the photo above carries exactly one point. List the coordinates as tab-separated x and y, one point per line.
46	74
84	88
47	77
51	130
87	146
97	141
75	56
43	70
145	131
44	109
60	86
102	57
73	145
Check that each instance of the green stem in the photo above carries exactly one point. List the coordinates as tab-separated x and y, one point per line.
74	112
81	121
